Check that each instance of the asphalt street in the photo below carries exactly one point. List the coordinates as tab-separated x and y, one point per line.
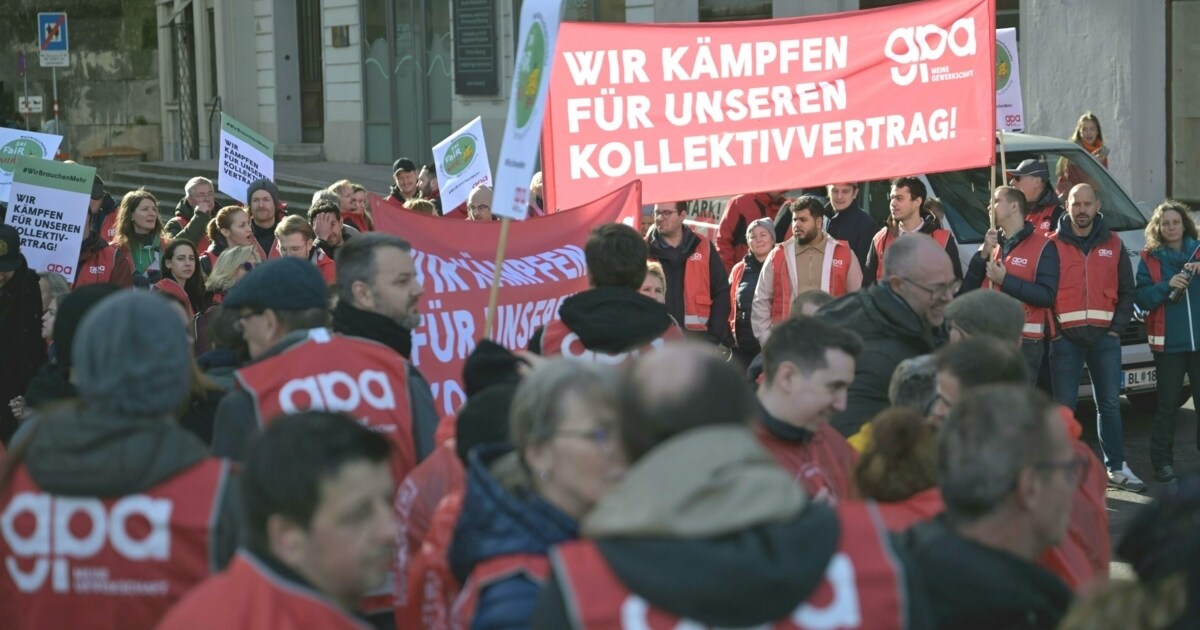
1122	505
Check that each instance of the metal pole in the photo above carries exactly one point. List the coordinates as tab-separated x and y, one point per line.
25	75
54	79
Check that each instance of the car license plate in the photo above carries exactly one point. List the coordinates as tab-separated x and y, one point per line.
1141	378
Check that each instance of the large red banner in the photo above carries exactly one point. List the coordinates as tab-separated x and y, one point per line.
456	260
706	110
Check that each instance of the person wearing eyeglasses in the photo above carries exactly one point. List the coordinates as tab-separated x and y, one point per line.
1093	307
479	203
697	280
525	498
1020	261
808	365
896	320
294	237
193	212
907	215
1007	473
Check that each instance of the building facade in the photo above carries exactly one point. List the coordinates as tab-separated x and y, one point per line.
367	81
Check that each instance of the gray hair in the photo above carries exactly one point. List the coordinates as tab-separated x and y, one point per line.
914	383
326	194
901	256
537	407
56	285
994	432
356	261
194	182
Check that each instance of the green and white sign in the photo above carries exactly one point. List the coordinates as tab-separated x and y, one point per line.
14	144
49	207
246	156
1010	109
526	107
462	164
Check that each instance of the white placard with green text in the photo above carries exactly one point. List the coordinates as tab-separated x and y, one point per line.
1010	109
15	143
462	164
49	208
246	156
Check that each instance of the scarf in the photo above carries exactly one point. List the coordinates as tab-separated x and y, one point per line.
355	322
1093	148
145	253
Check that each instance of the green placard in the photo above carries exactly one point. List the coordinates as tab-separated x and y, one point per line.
74	178
231	126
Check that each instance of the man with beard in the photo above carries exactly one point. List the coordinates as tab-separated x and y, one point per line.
811	259
1091	317
326	221
265	215
404	172
907	216
1032	178
697	282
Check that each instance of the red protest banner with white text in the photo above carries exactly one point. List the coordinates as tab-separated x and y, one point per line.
455	262
714	109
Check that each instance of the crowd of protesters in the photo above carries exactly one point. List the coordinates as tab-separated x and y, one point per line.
809	421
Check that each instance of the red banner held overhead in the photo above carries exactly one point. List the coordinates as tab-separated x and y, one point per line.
706	110
455	263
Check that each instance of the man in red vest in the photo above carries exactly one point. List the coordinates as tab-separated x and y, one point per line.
908	216
1024	265
1092	309
320	530
110	510
297	364
1007	473
740	212
294	237
697	281
1032	178
811	259
808	366
610	322
703	502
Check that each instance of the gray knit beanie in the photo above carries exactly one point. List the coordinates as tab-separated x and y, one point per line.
131	356
263	184
766	223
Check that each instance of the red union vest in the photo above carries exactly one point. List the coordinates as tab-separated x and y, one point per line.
96	267
559	340
863	586
335	373
1087	290
1156	320
429	587
1022	263
117	562
697	287
183	223
883	239
834	270
250	595
823	467
1041	218
171	287
108	227
489	572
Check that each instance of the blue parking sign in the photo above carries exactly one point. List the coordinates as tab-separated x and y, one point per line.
52	40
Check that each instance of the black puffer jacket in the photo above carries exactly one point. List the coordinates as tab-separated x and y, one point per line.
22	349
611	320
891	332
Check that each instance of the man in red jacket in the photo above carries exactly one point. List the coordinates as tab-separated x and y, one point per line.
739	213
808	366
320	529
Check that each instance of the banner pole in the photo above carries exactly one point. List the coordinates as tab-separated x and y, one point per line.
992	183
494	295
1003	158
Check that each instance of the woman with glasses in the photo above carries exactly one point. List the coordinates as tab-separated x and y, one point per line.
138	242
521	501
1169	261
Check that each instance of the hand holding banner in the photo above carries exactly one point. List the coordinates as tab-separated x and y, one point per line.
462	164
49	208
246	157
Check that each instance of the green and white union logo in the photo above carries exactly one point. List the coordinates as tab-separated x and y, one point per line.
459	155
14	149
529	72
1003	67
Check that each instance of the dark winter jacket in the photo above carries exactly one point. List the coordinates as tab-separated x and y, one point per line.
891	332
1040	293
1126	290
196	223
499	519
610	320
674	260
22	349
854	227
1182	317
971	586
743	301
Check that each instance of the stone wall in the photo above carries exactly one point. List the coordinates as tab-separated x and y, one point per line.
109	95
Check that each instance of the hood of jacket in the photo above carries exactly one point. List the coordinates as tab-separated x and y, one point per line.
614	319
1099	233
708	527
74	450
675	255
877	312
497	522
184	210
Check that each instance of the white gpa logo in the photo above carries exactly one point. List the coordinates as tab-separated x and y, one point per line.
838	262
696	256
1105	253
97	269
338	391
918	46
1018	261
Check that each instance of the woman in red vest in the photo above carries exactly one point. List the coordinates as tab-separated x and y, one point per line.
138	241
181	276
230	228
1170	259
742	281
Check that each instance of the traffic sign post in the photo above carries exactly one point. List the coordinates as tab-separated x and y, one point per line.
29	105
54	51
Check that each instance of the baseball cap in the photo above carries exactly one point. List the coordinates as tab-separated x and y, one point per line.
10	248
1031	167
403	164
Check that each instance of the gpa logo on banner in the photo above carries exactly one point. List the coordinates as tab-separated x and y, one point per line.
919	46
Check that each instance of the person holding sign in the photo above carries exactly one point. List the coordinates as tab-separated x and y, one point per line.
908	217
139	243
265	215
697	282
22	350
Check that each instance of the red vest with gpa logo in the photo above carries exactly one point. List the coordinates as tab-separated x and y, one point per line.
697	287
559	340
1156	319
1022	263
863	586
96	267
429	585
823	467
534	567
117	562
108	227
883	239
1040	218
331	372
834	270
250	595
1087	291
418	500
